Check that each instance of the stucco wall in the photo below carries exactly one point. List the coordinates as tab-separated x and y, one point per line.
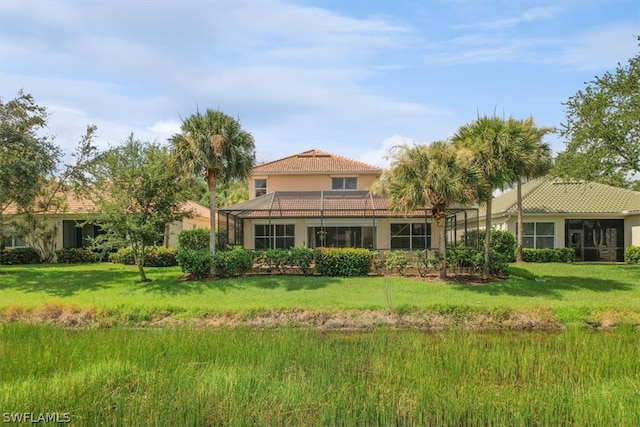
307	182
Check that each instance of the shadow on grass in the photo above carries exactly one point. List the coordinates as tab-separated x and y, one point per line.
524	283
187	287
67	280
289	282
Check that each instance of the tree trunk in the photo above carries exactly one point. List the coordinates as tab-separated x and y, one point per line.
139	257
487	234
520	233
211	182
442	251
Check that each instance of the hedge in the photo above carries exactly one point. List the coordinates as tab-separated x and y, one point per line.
632	255
548	255
19	256
75	256
343	262
156	257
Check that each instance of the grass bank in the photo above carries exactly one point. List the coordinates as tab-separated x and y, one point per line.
534	295
307	377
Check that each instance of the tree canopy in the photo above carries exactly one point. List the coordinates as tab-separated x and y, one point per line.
431	177
602	129
138	193
213	145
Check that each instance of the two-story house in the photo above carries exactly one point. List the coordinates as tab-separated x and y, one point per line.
317	199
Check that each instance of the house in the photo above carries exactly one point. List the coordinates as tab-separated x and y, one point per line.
318	199
597	220
72	231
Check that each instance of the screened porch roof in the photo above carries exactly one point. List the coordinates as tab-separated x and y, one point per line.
322	204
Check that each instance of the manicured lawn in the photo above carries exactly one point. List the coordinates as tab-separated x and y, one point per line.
571	291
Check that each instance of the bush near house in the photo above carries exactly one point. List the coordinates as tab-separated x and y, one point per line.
19	256
233	263
157	257
632	255
343	262
75	256
548	255
501	241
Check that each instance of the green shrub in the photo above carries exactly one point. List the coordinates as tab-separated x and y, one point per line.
197	263
122	256
343	262
232	263
194	240
377	263
465	257
75	256
396	260
302	259
156	257
277	259
499	263
548	255
632	255
19	256
501	241
161	257
423	263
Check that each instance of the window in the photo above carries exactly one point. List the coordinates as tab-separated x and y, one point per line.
411	236
260	186
538	235
341	237
14	242
274	236
344	183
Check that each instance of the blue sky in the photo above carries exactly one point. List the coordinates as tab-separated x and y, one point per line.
348	77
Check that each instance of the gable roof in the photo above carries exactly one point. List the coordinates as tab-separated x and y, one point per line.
314	161
545	195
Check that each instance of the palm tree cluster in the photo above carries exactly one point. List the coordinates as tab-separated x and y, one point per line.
482	156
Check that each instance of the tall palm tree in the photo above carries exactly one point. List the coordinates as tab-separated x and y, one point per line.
533	161
434	176
215	146
489	138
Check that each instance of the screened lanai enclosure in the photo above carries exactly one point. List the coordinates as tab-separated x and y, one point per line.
312	219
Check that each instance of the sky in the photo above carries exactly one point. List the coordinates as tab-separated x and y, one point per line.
352	78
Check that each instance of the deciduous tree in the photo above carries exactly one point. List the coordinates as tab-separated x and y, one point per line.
602	129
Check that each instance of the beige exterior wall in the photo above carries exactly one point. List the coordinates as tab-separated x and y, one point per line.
320	182
186	224
632	230
382	225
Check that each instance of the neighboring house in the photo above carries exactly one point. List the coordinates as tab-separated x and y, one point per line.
73	233
317	199
597	220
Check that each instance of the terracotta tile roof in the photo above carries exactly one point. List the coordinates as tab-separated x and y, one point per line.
76	205
556	196
72	204
316	204
314	161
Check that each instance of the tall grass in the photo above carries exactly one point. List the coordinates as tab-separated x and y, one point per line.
305	377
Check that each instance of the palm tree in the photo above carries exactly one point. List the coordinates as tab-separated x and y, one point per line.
214	146
435	176
490	139
533	161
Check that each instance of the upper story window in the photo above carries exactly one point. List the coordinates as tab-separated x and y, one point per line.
260	186
344	183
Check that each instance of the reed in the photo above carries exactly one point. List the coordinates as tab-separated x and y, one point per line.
306	377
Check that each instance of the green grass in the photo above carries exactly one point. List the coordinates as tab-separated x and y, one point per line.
572	292
306	377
